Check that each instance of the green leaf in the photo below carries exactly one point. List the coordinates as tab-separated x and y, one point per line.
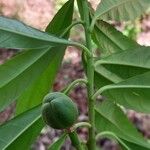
35	92
121	10
100	80
17	35
123	65
41	86
33	130
109	117
132	93
28	136
109	40
129	70
80	7
138	57
135	146
13	129
20	72
44	83
62	19
58	143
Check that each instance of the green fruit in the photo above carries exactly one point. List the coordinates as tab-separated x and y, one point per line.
59	111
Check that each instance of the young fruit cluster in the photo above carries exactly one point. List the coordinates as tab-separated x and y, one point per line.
59	111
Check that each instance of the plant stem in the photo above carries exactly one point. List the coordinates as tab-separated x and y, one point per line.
90	76
84	48
81	124
75	140
71	26
111	135
92	25
71	85
98	92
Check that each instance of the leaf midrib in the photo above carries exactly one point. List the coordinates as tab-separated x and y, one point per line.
103	62
35	37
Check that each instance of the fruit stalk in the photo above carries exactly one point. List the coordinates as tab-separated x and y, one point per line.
75	140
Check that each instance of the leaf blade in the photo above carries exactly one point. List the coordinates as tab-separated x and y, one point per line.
58	143
44	83
123	65
15	127
109	117
123	10
14	88
129	70
17	35
110	40
132	93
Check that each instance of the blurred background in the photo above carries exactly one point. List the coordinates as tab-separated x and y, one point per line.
38	13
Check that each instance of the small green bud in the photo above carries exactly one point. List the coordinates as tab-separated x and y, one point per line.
59	111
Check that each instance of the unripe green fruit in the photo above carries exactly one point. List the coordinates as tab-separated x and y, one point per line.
59	111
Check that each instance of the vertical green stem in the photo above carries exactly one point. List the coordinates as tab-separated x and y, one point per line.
90	75
75	140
